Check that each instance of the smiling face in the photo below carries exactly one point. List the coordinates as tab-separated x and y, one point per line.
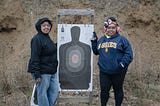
45	27
111	30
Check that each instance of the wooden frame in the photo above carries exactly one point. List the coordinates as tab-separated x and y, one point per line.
68	12
62	12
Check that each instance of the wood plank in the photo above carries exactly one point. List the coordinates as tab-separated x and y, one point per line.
74	100
75	12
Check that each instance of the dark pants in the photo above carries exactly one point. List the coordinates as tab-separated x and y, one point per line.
114	80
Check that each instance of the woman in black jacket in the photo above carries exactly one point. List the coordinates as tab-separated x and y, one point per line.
43	63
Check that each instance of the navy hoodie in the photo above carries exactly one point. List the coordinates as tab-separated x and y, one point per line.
43	58
113	52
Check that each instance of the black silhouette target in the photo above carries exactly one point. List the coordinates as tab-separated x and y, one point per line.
74	63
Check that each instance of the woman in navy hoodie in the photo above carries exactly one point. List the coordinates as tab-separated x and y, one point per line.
115	55
43	63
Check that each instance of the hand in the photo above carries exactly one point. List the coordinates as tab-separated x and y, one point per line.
94	37
38	80
121	66
37	76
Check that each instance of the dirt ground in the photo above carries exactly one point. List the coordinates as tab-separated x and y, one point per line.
139	21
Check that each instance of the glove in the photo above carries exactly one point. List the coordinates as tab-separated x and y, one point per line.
94	37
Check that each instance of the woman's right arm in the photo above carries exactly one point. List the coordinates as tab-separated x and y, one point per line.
94	43
35	56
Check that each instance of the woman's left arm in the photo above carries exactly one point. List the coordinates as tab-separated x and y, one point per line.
128	53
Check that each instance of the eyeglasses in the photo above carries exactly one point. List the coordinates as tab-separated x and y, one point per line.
111	27
45	25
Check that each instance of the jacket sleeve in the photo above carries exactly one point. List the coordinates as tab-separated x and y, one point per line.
128	53
94	47
36	47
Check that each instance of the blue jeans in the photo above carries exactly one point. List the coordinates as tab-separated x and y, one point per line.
47	90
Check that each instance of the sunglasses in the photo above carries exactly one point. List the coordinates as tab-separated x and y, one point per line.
46	25
111	27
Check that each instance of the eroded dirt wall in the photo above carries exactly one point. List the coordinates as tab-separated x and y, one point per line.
139	21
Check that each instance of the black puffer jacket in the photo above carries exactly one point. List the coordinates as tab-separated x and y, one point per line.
43	53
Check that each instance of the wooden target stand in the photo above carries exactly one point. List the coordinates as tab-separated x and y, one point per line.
76	98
